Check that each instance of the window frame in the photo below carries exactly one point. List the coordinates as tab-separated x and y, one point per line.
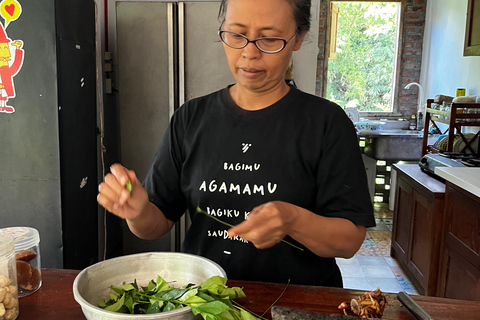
396	86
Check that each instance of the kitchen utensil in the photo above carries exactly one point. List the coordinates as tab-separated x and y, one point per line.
413	307
179	269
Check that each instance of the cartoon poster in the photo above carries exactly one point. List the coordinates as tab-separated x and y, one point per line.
11	54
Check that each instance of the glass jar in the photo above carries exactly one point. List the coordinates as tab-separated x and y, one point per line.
470	111
447	107
27	256
9	308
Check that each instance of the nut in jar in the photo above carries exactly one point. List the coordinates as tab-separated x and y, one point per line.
8	299
9	308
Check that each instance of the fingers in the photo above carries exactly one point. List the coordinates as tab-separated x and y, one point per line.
248	224
122	211
263	227
121	173
113	194
113	189
105	202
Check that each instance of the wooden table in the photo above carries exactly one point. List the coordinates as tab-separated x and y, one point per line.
54	300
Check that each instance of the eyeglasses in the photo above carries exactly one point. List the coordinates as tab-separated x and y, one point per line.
267	45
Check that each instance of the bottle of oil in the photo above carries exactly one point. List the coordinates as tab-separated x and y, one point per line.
420	121
413	122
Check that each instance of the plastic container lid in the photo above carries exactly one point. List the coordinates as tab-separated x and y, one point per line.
23	237
6	244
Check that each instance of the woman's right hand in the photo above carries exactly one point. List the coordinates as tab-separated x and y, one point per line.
116	198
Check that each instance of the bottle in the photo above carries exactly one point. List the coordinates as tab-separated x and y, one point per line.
8	279
413	123
420	121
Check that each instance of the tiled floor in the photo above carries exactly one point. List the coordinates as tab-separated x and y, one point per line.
372	266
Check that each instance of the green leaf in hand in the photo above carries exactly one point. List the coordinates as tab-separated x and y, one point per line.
199	210
129	185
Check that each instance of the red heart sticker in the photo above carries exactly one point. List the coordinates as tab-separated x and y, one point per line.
10	9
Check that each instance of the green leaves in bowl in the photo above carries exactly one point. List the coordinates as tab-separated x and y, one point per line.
212	299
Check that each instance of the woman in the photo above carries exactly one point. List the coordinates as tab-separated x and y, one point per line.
260	155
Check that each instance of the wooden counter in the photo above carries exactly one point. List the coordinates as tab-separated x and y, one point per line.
54	300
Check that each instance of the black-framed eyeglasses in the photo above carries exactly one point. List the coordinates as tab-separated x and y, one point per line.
268	44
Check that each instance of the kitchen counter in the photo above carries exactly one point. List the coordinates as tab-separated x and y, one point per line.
54	300
393	134
464	177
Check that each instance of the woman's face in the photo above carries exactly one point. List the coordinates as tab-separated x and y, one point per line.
253	69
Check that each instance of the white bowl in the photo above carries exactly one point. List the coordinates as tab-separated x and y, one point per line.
94	282
369	126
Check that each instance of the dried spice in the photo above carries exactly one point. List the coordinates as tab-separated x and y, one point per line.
25	255
370	305
28	276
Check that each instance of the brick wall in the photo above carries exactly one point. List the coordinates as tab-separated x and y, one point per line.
410	53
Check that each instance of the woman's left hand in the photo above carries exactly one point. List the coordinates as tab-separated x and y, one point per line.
267	224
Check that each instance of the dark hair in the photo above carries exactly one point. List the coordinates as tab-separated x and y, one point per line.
301	12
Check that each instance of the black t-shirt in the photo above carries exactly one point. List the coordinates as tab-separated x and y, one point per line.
227	160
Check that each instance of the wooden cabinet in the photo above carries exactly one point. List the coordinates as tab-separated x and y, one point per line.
417	226
460	257
472	32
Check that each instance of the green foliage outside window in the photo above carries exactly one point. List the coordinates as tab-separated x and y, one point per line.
362	74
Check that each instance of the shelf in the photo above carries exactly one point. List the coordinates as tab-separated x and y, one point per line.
456	119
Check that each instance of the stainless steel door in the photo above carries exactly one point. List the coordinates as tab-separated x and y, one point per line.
144	53
143	43
205	63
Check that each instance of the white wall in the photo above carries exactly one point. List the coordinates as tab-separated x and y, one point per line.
444	68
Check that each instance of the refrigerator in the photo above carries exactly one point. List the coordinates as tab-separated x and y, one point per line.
158	55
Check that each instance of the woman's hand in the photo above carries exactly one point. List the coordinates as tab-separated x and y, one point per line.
116	198
267	224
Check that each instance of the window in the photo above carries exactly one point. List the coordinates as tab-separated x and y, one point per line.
363	52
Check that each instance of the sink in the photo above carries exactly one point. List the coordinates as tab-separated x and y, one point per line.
394	144
396	133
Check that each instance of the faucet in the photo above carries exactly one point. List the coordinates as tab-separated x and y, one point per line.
420	94
419	99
